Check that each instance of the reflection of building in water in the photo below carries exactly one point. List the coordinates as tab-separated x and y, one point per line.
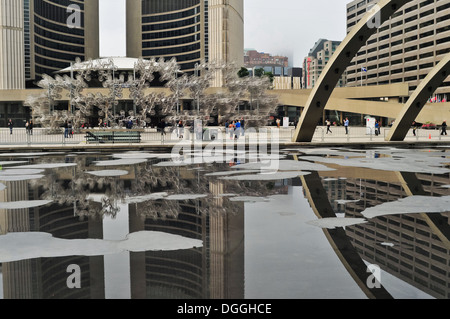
215	270
17	277
418	255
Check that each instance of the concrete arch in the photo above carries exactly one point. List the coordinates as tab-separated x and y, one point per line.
418	99
334	69
338	239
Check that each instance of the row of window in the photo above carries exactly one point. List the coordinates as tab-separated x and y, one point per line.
161	6
169	17
57	13
173	50
171	42
57	27
170	25
170	34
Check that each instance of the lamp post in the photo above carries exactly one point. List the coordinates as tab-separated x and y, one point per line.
198	93
134	83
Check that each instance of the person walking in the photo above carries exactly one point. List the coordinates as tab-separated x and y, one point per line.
27	127
70	129
444	128
180	127
66	129
242	127
346	122
30	127
231	128
328	126
237	132
10	125
377	128
162	129
414	125
226	127
278	122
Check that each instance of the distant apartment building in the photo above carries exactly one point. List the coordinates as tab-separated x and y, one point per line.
253	58
316	60
191	31
405	48
291	79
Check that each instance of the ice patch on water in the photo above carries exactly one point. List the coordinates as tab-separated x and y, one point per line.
185	196
411	204
4	163
344	201
145	198
108	173
386	164
226	173
251	199
336	222
29	154
17	178
286	165
24	204
135	155
46	166
171	164
22	246
21	171
269	176
119	162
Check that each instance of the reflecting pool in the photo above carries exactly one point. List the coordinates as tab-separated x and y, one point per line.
301	223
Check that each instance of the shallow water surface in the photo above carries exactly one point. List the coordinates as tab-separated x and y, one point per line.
302	224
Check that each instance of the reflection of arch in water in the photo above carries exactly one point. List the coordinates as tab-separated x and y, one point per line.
334	69
437	223
418	100
350	258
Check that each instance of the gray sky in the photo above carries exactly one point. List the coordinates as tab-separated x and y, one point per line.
290	28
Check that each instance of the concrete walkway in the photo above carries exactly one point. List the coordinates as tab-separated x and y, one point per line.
357	137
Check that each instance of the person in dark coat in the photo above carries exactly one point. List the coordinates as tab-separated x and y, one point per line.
10	125
444	128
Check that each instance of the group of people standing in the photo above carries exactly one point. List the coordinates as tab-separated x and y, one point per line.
235	128
28	127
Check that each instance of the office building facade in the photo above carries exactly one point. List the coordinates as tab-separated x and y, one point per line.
61	32
315	62
40	37
405	48
191	31
12	55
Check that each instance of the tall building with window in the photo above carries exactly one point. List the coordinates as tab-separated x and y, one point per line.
12	55
189	30
60	32
43	36
315	62
405	48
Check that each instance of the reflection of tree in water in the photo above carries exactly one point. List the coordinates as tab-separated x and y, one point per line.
73	185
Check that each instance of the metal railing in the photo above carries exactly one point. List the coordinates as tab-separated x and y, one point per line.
39	136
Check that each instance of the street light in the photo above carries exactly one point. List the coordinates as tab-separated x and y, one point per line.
197	71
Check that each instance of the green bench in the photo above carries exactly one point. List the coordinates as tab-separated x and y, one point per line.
113	136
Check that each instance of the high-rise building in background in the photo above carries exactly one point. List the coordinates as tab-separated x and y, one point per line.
60	33
316	60
12	49
40	37
191	31
405	48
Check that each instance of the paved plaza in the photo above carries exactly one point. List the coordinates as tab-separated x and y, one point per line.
19	139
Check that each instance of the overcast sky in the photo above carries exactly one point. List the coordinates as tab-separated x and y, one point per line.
285	27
